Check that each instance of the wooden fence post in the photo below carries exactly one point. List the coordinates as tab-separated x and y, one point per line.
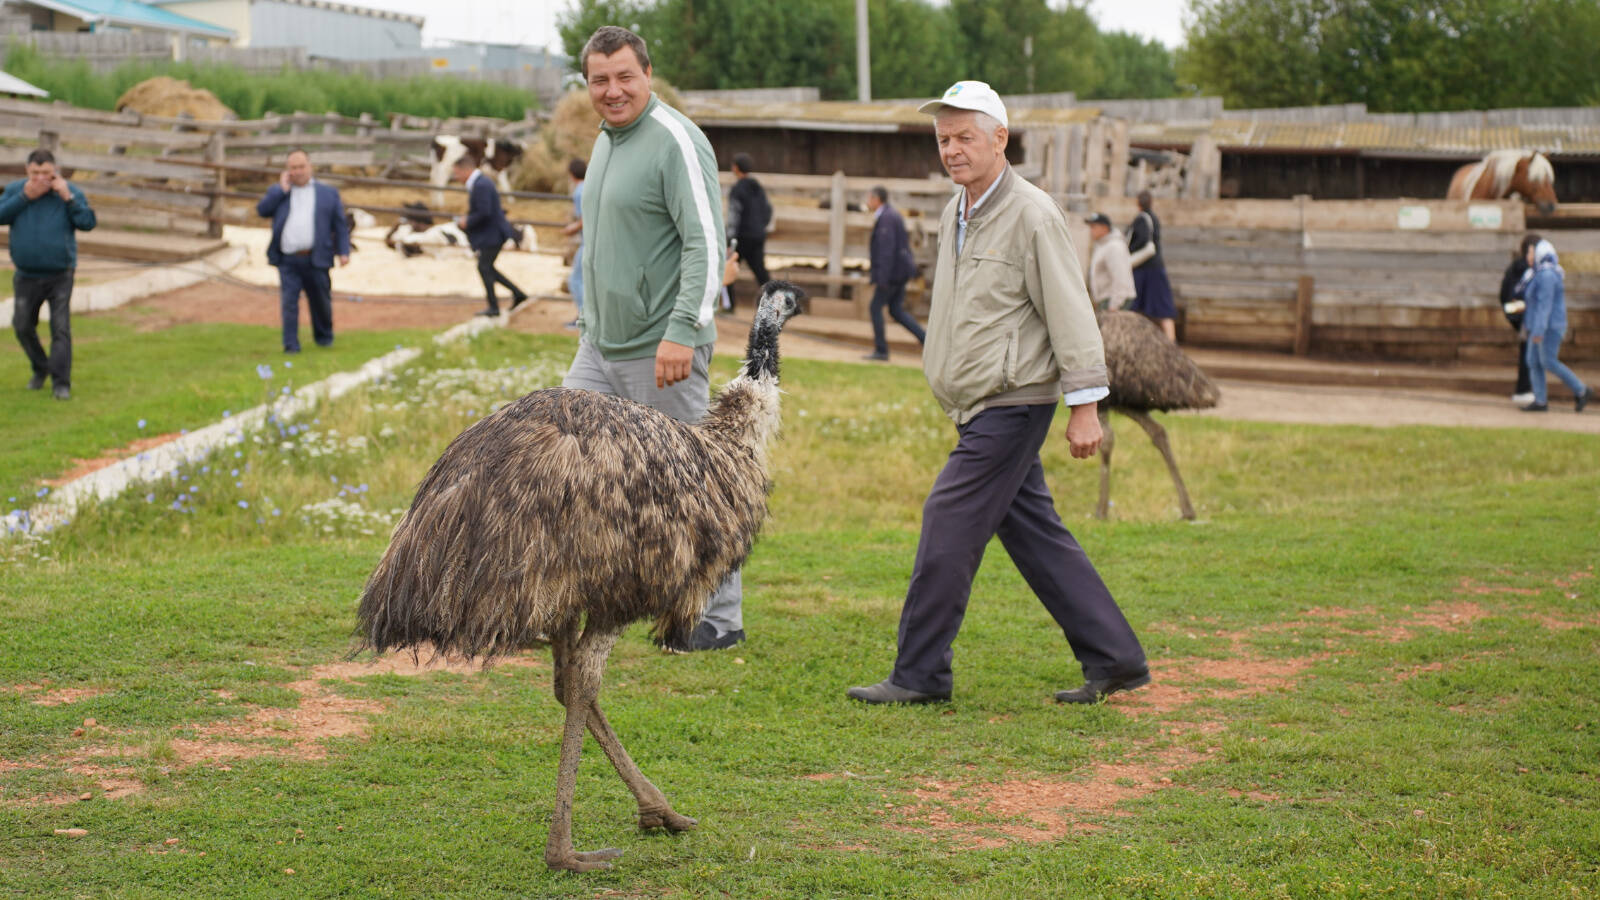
365	128
216	152
297	124
836	213
1303	294
330	122
50	140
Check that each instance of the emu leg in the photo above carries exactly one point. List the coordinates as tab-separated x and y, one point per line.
580	675
1107	441
1158	436
654	810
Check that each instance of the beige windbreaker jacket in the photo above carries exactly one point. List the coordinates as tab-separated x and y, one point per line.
1011	323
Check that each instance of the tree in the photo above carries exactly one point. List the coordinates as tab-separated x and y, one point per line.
1129	66
1024	46
1395	55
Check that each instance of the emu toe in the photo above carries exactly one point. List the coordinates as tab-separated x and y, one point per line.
583	860
667	819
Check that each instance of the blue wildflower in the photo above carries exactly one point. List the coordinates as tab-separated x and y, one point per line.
141	424
244	504
264	370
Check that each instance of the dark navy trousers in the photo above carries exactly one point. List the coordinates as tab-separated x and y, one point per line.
894	297
993	484
296	274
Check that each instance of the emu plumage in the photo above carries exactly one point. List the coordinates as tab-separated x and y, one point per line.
1147	372
568	515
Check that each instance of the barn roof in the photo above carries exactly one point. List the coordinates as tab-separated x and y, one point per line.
839	115
132	14
1372	138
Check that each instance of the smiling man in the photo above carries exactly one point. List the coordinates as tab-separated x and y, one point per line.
652	263
1011	333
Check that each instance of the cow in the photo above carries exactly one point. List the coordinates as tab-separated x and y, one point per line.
494	157
415	234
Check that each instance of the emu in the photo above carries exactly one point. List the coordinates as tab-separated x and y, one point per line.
1147	372
568	515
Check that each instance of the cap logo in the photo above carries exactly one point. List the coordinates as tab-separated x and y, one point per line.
954	90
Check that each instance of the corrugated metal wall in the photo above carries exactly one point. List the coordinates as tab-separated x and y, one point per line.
330	33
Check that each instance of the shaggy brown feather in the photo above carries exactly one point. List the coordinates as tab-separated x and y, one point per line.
1147	371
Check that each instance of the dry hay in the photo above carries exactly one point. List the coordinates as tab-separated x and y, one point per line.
570	134
171	97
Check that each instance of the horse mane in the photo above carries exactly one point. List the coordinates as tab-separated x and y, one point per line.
1539	169
1503	165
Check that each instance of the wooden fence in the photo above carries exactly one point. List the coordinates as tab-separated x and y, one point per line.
1393	279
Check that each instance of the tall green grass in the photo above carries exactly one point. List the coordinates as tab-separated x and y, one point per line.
253	94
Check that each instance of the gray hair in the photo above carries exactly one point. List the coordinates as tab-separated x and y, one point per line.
986	123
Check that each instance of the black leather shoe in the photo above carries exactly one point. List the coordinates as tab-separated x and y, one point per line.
491	313
877	357
62	392
518	301
1100	688
37	382
1583	399
887	691
1536	407
705	637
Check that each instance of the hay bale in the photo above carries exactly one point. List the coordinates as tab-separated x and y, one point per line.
570	134
171	97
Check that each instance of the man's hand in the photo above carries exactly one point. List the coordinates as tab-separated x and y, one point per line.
1083	431
60	186
33	188
344	260
672	363
461	222
283	181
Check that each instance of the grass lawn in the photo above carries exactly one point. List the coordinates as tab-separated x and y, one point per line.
1374	660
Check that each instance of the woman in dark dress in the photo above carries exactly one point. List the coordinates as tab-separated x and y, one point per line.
1149	272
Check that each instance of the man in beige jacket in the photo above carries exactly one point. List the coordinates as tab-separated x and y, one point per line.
1011	333
1110	268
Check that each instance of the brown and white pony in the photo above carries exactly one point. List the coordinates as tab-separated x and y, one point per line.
1506	173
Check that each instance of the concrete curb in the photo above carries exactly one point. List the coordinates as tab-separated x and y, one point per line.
195	446
112	294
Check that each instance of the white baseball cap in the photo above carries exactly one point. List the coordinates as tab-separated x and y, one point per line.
973	95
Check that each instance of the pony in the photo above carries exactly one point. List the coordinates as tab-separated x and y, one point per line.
1505	173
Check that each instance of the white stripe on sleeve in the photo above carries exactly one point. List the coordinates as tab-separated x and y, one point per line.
702	207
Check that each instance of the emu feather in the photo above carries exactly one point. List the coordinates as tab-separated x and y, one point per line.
568	515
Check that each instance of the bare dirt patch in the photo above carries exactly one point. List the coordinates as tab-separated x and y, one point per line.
63	696
82	467
1052	808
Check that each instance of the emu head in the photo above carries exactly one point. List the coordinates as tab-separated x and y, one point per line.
780	301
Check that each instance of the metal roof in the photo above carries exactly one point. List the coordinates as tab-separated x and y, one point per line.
347	8
132	14
1372	138
838	115
11	84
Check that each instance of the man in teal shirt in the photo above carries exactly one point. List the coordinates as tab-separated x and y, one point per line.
43	211
652	263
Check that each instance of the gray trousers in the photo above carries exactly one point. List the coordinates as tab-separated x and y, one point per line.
993	484
685	401
31	295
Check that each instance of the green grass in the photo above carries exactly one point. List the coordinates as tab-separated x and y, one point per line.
253	94
171	379
1389	750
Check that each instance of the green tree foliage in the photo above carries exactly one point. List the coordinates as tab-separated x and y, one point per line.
918	48
1129	66
251	94
1395	55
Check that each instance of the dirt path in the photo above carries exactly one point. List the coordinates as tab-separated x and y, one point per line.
1255	401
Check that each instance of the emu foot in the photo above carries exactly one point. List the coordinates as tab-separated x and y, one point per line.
665	818
583	861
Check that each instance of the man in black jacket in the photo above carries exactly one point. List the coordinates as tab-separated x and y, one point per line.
749	213
487	231
892	267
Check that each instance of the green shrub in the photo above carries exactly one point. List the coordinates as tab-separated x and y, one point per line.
253	94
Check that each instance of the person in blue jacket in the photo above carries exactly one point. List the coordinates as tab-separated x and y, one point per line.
487	231
309	232
892	267
44	211
1545	323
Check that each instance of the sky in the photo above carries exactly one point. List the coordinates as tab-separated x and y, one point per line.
533	22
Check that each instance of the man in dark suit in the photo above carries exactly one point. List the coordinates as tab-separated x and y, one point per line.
309	232
892	267
487	231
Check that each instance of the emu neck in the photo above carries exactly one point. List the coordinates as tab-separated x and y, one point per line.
761	356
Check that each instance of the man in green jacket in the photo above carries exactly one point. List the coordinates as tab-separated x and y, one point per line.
652	263
43	211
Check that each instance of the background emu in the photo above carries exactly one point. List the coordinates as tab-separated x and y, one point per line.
1147	372
568	515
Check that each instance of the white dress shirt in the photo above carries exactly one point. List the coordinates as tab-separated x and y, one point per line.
300	229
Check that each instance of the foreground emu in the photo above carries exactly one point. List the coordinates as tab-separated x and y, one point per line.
1147	372
568	515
